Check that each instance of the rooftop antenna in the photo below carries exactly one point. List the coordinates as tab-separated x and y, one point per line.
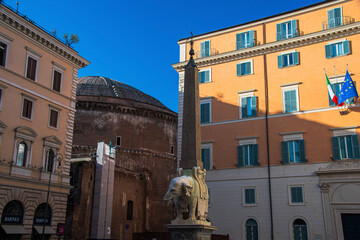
17	6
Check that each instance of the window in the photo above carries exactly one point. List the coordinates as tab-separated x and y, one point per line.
205	75
244	68
3	53
205	110
300	230
31	67
118	141
337	87
293	151
251	230
49	160
288	59
245	40
205	49
172	151
248	107
53	118
57	80
206	156
290	98
247	152
1	96
345	147
130	209
27	108
249	196
21	154
296	195
334	17
286	30
335	49
13	213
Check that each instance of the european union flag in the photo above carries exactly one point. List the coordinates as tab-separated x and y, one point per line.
348	89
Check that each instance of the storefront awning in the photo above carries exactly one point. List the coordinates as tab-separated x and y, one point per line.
14	229
48	229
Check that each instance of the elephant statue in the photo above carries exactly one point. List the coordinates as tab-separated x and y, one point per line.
190	195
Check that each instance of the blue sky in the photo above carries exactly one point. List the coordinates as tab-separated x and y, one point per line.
135	42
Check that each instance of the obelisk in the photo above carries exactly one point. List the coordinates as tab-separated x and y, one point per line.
191	134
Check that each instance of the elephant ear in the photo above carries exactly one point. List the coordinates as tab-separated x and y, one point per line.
187	189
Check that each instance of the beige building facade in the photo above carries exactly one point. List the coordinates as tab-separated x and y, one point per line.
38	76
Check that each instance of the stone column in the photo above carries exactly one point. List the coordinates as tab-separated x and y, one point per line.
327	211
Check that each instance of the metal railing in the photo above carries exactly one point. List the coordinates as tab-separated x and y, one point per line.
201	54
336	22
52	34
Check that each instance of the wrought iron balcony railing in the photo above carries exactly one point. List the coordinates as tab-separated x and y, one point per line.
206	53
336	22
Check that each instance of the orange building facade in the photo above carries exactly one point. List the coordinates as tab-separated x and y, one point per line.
37	106
278	151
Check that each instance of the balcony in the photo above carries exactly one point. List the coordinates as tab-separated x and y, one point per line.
201	53
336	22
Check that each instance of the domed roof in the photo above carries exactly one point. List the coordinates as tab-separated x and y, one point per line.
102	86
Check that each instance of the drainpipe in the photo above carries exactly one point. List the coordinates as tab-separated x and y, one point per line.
267	135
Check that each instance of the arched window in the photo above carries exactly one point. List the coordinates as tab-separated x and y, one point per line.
49	160
13	213
300	230
42	214
130	208
21	154
251	229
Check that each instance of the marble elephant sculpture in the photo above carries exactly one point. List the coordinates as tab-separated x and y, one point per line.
184	191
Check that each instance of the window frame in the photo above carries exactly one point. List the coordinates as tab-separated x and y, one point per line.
205	101
6	40
288	35
248	42
290	88
247	142
2	90
204	70
118	137
244	203
251	61
345	132
344	42
291	203
291	137
341	17
204	50
337	81
210	147
55	109
35	57
245	221
294	55
31	99
292	225
61	71
246	95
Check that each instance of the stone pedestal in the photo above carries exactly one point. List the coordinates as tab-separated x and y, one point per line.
190	231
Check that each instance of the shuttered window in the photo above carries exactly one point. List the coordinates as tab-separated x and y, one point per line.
204	112
300	230
337	87
345	147
245	40
286	30
204	76
248	107
293	151
290	59
290	100
244	68
205	49
337	49
205	158
248	155
53	121
251	230
334	17
296	194
31	68
27	108
57	76
250	196
3	49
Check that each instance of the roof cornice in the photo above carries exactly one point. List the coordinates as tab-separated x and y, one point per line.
322	36
277	17
19	25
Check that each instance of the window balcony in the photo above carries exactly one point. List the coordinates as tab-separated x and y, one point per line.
336	22
210	52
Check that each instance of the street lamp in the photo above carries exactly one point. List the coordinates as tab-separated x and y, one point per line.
58	159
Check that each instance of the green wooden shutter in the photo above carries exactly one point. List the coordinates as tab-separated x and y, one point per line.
278	32
293	100
304	233
331	18
280	61
238	41
238	69
287	96
256	237
202	49
252	38
284	150
346	46
205	157
296	58
337	17
294	29
336	150
201	80
207	76
240	150
248	68
328	51
248	233
244	112
302	150
355	145
204	112
253	106
207	48
251	148
256	154
349	145
297	233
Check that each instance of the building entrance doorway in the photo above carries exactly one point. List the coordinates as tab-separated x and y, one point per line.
351	223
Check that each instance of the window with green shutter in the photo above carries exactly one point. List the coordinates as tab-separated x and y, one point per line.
293	151
300	230
286	30
337	87
204	112
250	197
337	49
204	76
245	39
334	17
244	68
251	230
248	155
290	59
248	107
205	158
205	49
297	195
346	147
290	99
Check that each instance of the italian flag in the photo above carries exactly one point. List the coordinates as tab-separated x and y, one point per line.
332	95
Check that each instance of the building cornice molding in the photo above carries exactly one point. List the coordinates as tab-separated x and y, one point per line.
19	25
312	38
